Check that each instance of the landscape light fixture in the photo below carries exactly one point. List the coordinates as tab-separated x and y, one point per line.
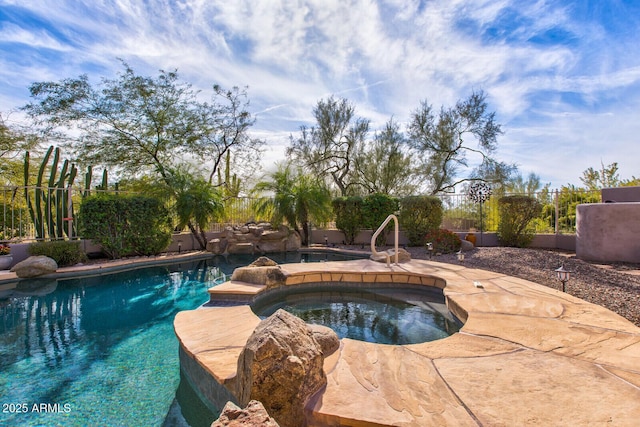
430	249
460	255
179	246
326	241
563	275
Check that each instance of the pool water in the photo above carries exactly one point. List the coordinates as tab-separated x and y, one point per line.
101	350
371	316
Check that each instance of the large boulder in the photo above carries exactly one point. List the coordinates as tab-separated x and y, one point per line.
269	276
35	266
217	246
254	415
281	366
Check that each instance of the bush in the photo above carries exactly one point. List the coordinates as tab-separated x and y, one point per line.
64	252
418	215
444	241
348	213
516	213
150	226
375	209
125	225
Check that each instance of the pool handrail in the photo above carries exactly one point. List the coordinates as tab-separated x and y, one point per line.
378	231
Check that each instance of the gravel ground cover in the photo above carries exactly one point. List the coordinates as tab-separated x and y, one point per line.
614	286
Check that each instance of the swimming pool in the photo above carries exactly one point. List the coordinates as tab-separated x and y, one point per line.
102	350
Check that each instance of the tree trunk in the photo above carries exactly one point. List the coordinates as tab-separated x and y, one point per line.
199	236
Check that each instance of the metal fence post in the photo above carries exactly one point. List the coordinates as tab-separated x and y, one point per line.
557	215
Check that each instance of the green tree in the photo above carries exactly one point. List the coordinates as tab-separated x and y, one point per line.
143	125
419	215
348	214
384	166
529	186
605	177
197	204
14	141
296	198
147	126
328	149
440	142
375	209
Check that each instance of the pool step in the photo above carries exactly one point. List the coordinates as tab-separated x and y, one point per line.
233	291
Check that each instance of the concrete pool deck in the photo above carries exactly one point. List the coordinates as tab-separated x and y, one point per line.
527	354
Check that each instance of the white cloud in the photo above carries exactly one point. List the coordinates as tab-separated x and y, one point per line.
385	56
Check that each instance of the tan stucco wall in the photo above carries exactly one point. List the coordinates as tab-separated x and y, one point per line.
608	232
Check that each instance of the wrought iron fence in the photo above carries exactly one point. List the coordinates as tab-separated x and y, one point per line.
558	211
40	213
33	213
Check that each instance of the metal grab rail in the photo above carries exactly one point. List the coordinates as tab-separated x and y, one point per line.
378	231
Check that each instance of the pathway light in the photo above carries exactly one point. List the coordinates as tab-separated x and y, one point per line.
460	255
430	249
563	275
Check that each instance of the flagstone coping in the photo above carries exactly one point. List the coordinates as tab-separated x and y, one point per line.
527	354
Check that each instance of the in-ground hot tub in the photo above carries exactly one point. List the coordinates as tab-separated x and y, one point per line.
383	314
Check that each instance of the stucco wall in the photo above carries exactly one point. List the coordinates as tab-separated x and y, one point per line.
608	232
621	194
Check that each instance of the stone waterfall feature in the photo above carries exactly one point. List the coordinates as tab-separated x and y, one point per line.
255	239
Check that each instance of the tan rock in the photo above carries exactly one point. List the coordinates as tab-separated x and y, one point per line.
238	247
326	338
254	415
269	276
217	246
282	367
293	242
35	266
403	256
263	261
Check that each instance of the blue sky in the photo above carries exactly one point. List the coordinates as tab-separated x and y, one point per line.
562	76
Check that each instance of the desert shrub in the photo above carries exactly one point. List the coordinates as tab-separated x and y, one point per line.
418	215
444	241
348	213
516	215
64	252
124	225
150	226
375	209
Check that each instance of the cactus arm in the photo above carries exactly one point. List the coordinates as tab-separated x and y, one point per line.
39	196
87	182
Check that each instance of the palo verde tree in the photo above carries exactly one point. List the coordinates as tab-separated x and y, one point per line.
14	141
135	124
138	125
328	148
605	177
384	166
444	141
295	198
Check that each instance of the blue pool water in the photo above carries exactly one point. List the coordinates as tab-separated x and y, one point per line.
101	351
385	316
